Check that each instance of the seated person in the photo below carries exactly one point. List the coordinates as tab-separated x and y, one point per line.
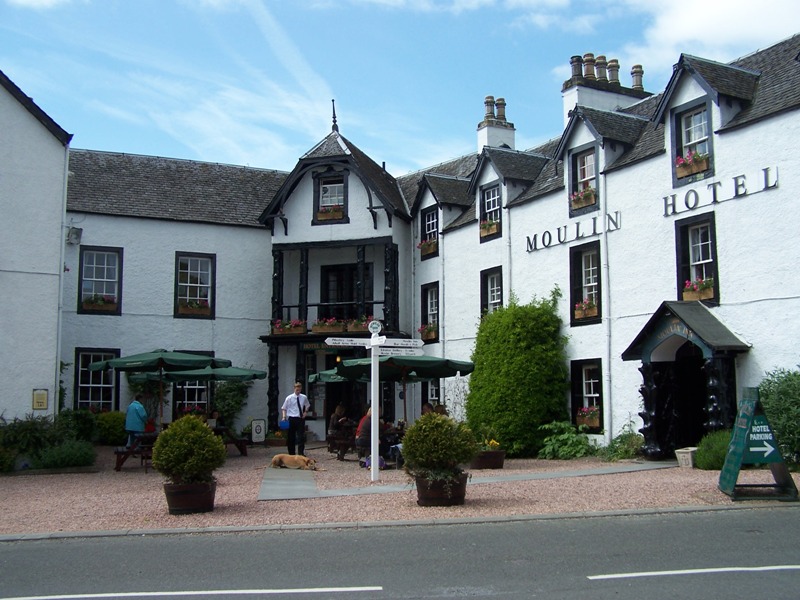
340	432
364	437
426	408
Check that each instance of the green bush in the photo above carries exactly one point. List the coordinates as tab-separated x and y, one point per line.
72	453
436	446
627	445
229	398
7	458
712	450
780	396
29	435
76	425
188	451
111	428
564	442
521	379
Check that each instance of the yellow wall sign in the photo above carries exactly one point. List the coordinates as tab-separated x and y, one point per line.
39	399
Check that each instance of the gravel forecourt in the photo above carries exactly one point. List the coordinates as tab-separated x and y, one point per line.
132	500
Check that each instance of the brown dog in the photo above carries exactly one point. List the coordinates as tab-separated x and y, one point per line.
289	461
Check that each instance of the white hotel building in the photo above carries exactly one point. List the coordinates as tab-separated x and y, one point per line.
241	247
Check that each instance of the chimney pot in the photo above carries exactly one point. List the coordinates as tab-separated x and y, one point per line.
588	65
488	102
500	103
636	73
576	63
601	64
613	71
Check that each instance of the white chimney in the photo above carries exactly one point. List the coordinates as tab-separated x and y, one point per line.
495	130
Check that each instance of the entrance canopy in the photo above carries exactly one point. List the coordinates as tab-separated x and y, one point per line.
675	323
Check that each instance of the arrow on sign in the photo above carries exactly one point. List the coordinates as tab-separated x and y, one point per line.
342	341
388	351
404	343
767	449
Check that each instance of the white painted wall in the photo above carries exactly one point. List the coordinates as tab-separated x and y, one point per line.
32	191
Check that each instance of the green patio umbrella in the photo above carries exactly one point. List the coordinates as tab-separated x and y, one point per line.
215	374
157	363
406	369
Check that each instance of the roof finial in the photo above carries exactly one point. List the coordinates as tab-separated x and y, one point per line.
335	126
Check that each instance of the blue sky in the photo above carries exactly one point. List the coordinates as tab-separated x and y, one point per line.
250	82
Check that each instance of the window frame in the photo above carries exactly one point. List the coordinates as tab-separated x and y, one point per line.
487	275
330	176
182	311
109	379
180	387
345	305
577	255
683	229
104	310
429	230
496	210
578	396
680	147
579	183
426	292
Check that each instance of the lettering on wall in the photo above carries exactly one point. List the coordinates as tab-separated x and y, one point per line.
578	230
718	191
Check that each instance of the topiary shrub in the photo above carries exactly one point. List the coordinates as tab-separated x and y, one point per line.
435	447
71	453
188	451
565	442
779	393
521	378
712	450
111	428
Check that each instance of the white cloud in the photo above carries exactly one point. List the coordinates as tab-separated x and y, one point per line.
37	4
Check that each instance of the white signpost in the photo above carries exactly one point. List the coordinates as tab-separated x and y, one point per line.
378	345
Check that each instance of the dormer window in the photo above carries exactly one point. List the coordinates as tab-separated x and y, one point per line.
583	191
330	197
692	145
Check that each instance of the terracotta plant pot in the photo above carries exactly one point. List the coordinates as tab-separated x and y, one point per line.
188	498
489	459
436	493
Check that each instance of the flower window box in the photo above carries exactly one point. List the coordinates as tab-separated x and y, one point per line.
427	247
591	419
700	289
104	307
686	169
332	213
194	310
582	199
585	313
489	228
333	328
288	330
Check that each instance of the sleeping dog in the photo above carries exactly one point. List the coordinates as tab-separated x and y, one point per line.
289	461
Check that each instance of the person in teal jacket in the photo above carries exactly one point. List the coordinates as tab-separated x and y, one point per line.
135	419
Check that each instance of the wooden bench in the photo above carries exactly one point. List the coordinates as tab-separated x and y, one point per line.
142	447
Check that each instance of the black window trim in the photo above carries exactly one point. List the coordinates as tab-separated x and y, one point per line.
485	274
331	173
115	352
110	249
676	141
682	273
423	213
424	288
482	210
574	153
576	282
212	291
576	388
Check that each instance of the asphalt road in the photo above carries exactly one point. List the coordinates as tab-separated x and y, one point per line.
713	555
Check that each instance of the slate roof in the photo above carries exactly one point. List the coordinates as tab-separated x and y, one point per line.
463	166
512	165
31	106
336	149
169	189
550	179
446	189
697	317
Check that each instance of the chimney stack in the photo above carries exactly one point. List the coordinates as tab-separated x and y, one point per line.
613	71
495	130
588	66
600	66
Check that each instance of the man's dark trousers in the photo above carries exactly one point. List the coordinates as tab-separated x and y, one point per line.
297	435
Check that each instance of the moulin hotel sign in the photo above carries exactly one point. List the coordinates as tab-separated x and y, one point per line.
716	192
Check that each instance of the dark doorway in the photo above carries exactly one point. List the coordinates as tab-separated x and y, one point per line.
690	396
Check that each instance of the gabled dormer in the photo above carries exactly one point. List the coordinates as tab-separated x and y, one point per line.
325	182
702	96
440	200
591	142
501	175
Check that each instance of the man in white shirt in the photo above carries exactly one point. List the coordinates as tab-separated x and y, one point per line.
295	408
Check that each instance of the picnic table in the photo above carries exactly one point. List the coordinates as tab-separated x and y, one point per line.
230	439
142	447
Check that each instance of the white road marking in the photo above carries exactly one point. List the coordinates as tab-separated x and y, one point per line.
695	572
199	593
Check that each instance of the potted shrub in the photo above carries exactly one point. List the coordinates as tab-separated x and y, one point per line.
434	449
186	453
490	456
